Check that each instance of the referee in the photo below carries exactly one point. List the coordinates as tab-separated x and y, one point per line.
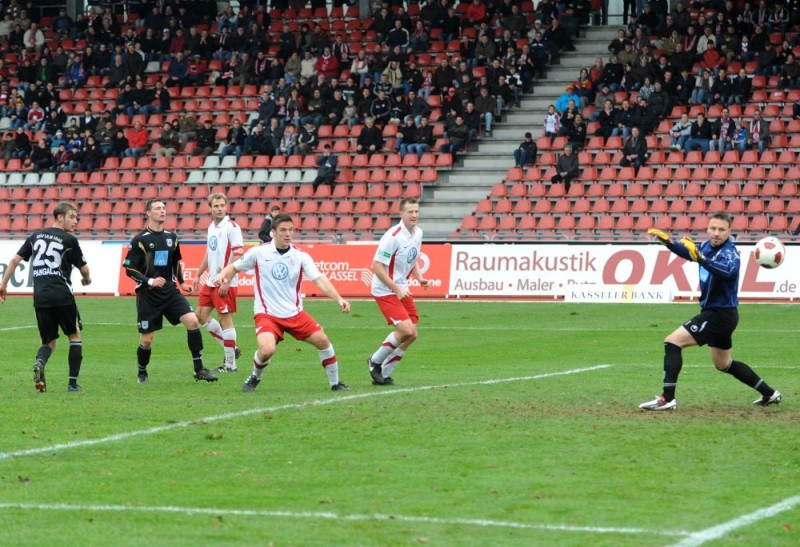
153	261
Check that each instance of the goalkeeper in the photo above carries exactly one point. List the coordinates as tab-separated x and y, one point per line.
719	285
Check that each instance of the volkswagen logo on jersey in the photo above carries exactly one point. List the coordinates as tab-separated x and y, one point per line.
412	255
280	271
212	243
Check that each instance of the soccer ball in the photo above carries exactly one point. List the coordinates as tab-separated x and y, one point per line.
770	252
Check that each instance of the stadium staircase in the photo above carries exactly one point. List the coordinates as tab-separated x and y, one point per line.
459	190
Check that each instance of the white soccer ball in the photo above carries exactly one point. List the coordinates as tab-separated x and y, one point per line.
770	252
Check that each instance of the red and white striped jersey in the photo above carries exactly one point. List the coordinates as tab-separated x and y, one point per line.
277	278
224	241
398	250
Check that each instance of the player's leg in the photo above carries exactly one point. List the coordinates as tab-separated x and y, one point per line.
268	334
390	363
148	320
205	305
70	322
48	333
404	330
673	362
194	340
327	358
143	355
228	332
723	360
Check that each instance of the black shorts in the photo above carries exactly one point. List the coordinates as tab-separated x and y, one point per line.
152	307
714	327
50	319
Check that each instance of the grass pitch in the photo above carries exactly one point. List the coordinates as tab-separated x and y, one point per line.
510	424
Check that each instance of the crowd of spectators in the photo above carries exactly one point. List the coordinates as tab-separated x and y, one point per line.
662	59
307	74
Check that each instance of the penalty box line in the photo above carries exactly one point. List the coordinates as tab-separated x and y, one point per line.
715	532
289	406
328	515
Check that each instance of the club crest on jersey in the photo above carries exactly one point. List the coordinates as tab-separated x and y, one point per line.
412	255
169	242
280	271
212	243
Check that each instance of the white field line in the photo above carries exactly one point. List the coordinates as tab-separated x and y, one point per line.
288	406
483	523
716	532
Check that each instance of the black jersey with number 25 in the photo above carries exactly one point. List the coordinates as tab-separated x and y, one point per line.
52	254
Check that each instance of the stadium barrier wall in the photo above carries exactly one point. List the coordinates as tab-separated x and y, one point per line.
542	271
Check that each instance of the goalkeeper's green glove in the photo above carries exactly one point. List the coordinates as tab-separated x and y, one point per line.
661	236
694	251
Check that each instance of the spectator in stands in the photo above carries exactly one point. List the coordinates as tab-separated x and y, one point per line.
790	74
33	38
288	141
75	75
137	140
721	89
41	157
58	139
606	120
134	62
35	117
91	155
234	140
104	138
458	137
243	71
308	65
644	117
562	103
711	58
680	132
485	106
796	110
370	140
443	77
577	133
739	140
526	152
169	140
476	13
741	88
701	94
722	133
758	136
257	143
380	109
583	87
567	167
552	122
503	96
326	167
61	158
360	66
206	140
178	71
700	135
117	73
307	140
634	151
22	144
7	146
63	24
406	137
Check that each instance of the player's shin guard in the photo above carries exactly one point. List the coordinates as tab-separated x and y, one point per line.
75	359
747	376
43	353
215	330
229	346
195	342
327	357
391	363
387	347
259	365
143	357
673	362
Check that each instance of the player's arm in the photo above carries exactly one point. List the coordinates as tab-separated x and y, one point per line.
12	266
379	269
327	287
135	264
724	264
200	270
245	264
415	271
86	278
177	268
663	238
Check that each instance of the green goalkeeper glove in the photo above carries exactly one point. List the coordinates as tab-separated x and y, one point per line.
661	236
694	252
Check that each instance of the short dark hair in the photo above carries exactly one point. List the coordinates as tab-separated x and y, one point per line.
280	219
722	215
63	208
149	203
408	201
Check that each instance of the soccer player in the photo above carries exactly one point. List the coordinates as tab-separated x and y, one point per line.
396	260
52	253
719	298
278	306
225	244
153	261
